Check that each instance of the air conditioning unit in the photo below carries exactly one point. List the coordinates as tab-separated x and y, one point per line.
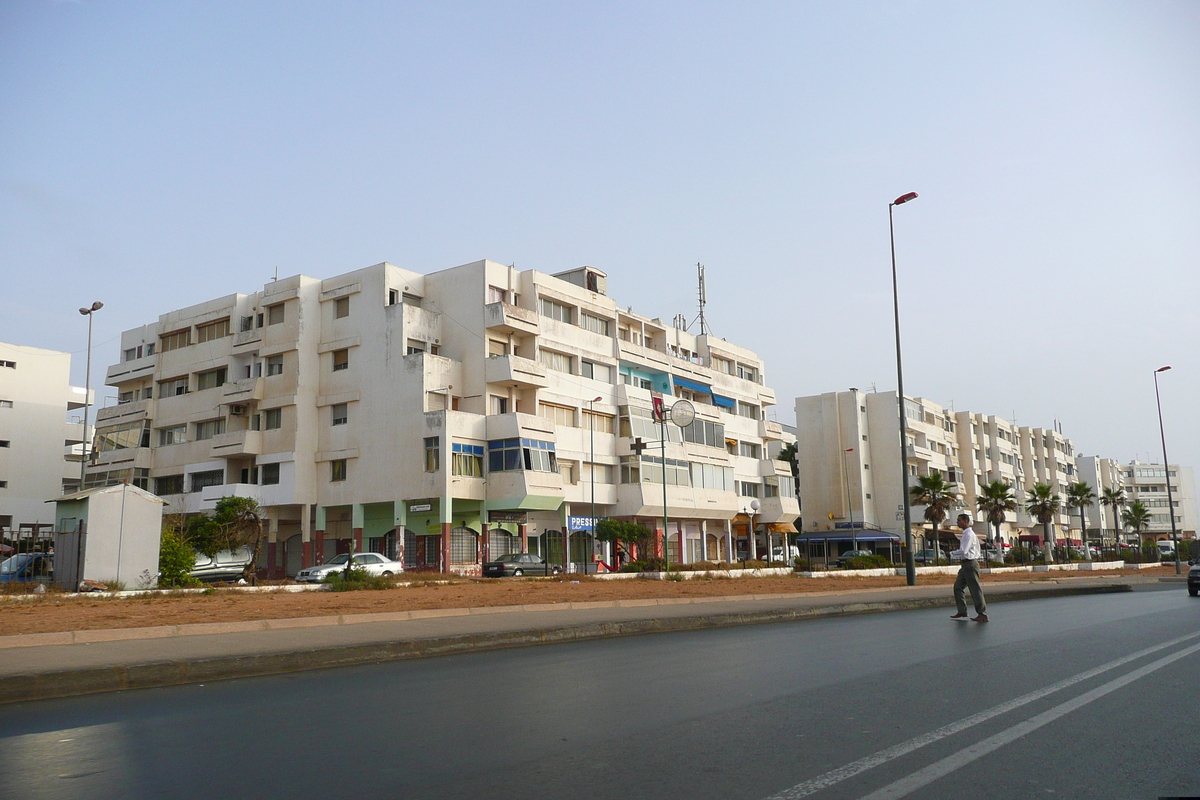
237	410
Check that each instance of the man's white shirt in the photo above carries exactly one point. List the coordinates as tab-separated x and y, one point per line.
968	545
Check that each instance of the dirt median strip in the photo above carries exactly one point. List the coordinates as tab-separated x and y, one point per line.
90	680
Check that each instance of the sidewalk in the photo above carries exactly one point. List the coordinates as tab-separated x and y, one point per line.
40	666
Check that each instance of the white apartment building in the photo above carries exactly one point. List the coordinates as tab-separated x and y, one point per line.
446	417
1148	483
1102	474
849	455
40	446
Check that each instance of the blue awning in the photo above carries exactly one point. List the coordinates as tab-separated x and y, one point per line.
690	384
724	402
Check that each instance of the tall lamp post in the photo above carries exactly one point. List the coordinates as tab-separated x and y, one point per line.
87	387
1167	472
910	565
592	467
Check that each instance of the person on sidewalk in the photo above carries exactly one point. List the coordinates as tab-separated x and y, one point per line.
968	573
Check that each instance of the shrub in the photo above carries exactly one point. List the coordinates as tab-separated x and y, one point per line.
359	579
867	562
1018	556
801	564
675	576
649	564
1150	552
754	564
175	560
700	566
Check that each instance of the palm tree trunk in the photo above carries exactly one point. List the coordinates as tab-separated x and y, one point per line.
1048	545
1087	551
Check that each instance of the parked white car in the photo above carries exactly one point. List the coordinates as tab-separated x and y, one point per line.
224	566
373	563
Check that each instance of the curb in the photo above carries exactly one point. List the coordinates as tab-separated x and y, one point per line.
92	680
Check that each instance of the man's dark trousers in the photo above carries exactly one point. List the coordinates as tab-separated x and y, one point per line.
968	578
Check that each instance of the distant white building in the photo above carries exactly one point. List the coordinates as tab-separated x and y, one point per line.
40	446
1148	483
1102	474
444	417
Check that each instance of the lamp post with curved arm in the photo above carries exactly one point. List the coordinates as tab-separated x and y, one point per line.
1167	473
87	387
910	564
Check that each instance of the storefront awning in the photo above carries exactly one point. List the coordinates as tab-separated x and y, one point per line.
845	536
723	402
781	527
1031	538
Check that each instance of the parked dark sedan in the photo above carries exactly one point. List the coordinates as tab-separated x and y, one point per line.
518	564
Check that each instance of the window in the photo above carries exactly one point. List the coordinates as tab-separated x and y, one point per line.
467	460
270	474
8	364
214	477
529	454
6	404
415	346
168	484
499	405
213	330
209	429
597	372
558	311
603	472
497	295
131	354
595	324
173	387
702	431
176	434
639	422
497	348
246	324
559	415
748	410
569	471
748	489
341	360
340	413
600	423
175	340
678	473
275	365
341	307
433	454
749	450
631	469
747	373
210	380
559	362
272	419
713	476
337	469
393	297
5	443
275	314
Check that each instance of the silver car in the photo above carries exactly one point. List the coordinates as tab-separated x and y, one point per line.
373	563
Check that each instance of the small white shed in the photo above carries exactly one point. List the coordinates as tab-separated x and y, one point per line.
105	534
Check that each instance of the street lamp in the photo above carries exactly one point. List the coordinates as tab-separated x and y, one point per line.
754	507
910	565
592	467
849	502
87	387
1167	472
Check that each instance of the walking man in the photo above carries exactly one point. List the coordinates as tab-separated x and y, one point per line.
968	573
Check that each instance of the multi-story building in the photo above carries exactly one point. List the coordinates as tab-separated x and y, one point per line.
1147	483
849	454
446	417
1101	474
40	446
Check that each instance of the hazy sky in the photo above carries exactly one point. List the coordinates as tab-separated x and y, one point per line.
155	155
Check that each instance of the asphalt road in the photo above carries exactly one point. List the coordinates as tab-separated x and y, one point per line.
1090	696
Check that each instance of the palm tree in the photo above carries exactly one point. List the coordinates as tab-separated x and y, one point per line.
995	500
1115	499
1137	516
938	498
1043	504
1080	496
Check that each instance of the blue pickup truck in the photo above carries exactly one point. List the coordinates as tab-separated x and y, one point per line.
28	568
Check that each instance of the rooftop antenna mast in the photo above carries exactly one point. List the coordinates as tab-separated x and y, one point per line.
703	299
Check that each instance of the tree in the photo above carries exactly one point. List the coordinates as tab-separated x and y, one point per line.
788	454
935	494
176	558
239	524
1115	499
627	534
1080	496
1137	516
995	501
1043	503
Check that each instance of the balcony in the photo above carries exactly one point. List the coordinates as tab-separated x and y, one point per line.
770	430
252	336
244	391
506	318
209	495
131	410
515	370
237	443
129	370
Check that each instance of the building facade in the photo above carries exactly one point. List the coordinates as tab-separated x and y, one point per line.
40	443
1147	483
1103	475
448	417
848	451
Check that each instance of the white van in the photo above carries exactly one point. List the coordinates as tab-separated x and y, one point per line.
1166	548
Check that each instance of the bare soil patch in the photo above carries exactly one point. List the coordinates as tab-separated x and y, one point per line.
56	612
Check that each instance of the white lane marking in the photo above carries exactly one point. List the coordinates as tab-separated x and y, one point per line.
949	764
883	756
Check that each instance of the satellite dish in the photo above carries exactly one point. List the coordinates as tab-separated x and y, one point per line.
682	413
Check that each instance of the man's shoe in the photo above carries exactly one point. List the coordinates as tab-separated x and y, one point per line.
958	616
980	618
